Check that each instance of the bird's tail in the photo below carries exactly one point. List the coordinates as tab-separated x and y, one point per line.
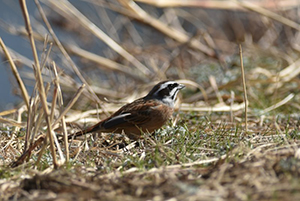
85	131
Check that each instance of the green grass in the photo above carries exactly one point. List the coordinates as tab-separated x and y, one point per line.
160	162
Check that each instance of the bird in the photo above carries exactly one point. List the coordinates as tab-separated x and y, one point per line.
144	115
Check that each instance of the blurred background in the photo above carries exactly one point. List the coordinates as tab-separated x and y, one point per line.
122	48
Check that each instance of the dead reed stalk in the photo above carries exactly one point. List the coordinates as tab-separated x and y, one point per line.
244	87
39	79
64	52
16	74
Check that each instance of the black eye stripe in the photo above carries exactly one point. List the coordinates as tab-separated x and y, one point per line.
172	86
165	91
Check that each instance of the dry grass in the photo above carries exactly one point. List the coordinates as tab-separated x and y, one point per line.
216	163
209	151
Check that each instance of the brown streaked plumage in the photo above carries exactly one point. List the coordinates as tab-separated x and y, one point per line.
146	114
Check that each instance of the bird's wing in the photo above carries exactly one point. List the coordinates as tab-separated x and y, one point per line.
137	115
115	121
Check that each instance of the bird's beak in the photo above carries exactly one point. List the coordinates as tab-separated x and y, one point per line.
180	86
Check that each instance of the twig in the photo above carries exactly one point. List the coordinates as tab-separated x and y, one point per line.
224	4
214	85
7	112
70	104
16	74
11	122
268	13
199	162
105	63
60	103
222	108
231	104
28	125
280	103
244	88
195	84
27	152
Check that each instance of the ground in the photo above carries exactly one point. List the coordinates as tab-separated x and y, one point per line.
216	163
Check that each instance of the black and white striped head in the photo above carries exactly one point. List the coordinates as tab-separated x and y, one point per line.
166	92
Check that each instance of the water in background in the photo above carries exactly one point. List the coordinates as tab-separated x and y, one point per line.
10	13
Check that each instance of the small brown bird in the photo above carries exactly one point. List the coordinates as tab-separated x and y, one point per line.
146	114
